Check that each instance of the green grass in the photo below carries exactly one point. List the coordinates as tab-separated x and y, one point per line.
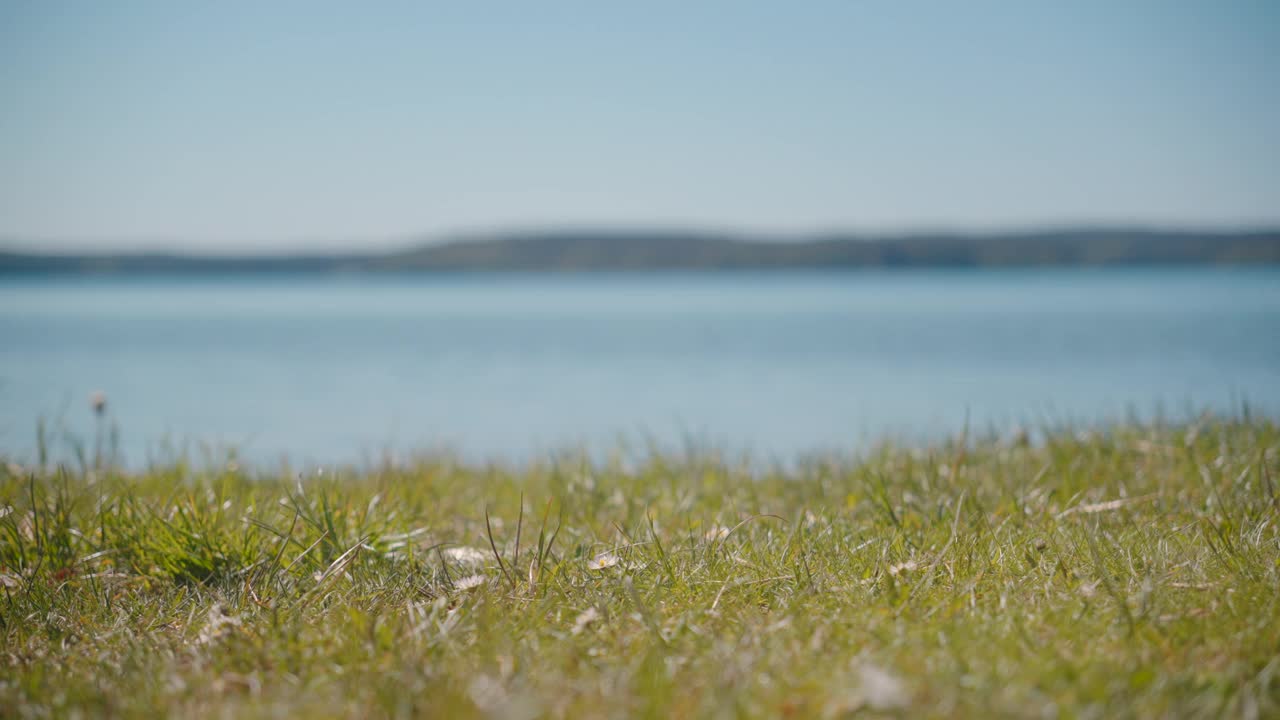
1129	573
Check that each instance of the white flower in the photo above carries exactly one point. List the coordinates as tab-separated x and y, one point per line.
587	617
470	582
217	625
903	568
466	555
869	688
881	690
487	693
602	561
98	402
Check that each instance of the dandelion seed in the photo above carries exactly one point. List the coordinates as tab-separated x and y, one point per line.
602	561
470	582
466	555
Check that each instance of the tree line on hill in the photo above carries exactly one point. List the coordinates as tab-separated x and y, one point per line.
673	250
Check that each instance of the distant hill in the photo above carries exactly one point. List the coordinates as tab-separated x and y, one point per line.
613	250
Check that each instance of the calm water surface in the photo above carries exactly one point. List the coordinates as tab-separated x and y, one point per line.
342	368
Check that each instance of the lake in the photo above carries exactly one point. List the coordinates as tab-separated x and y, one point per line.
328	369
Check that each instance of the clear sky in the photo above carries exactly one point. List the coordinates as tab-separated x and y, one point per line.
232	125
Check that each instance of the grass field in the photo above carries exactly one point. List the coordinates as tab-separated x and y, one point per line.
1129	573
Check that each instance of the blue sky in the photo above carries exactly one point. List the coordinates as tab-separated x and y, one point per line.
236	125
